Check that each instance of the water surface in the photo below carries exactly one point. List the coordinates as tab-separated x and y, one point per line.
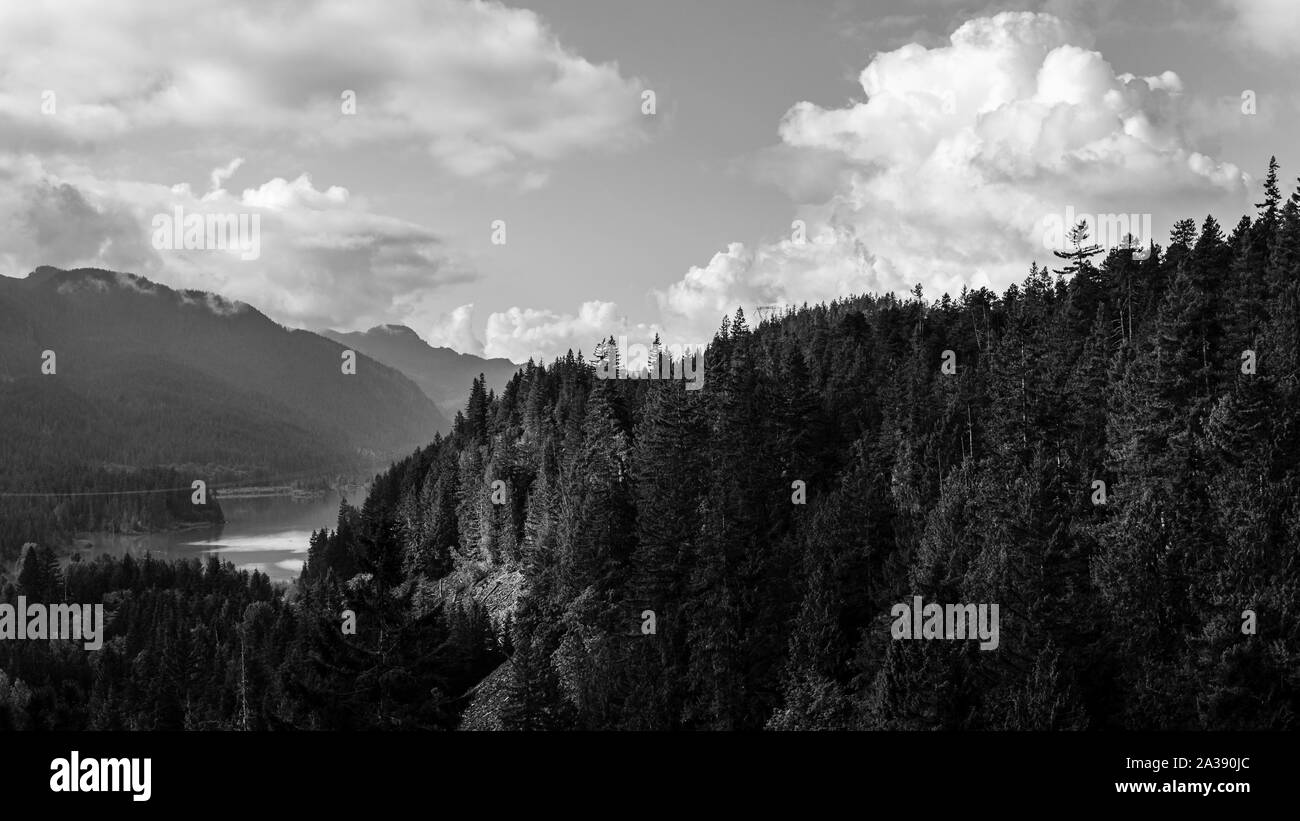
266	533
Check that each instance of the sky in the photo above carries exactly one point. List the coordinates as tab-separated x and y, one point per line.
522	179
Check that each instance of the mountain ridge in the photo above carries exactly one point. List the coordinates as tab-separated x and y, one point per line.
444	374
257	395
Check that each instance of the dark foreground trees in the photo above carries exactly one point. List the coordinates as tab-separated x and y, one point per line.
1114	461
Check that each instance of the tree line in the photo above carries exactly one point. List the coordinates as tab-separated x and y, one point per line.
1169	376
618	497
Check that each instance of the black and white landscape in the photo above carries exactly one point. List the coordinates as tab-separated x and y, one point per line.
711	365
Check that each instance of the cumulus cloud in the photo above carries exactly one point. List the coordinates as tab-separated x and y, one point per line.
455	330
280	194
775	275
324	262
946	173
488	90
520	333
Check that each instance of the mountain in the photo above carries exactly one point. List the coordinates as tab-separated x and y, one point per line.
444	375
664	576
147	376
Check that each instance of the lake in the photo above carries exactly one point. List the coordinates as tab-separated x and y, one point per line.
266	533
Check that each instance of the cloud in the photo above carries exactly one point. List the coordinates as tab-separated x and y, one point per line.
487	90
220	175
520	333
324	261
1271	24
776	275
214	303
947	171
455	330
51	222
280	194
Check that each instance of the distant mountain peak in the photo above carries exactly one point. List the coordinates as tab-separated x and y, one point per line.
394	330
444	374
188	375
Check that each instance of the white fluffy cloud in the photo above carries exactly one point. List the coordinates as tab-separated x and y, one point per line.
323	261
774	275
943	175
486	91
485	88
280	194
520	333
455	330
948	170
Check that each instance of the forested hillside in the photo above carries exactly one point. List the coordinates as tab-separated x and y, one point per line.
1172	379
976	486
147	383
203	646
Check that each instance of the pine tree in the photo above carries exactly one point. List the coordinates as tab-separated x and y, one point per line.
1079	255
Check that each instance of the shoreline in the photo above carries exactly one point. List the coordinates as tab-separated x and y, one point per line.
258	492
82	541
81	537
